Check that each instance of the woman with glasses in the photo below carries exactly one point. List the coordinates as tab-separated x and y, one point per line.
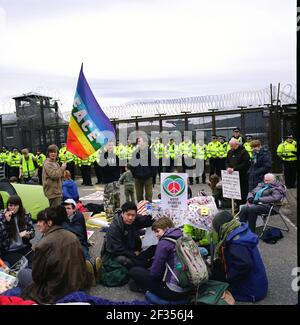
16	231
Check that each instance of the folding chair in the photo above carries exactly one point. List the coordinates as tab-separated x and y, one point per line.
266	218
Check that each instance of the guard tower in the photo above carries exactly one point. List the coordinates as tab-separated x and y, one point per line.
39	121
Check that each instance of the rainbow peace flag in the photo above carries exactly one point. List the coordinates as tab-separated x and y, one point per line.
89	128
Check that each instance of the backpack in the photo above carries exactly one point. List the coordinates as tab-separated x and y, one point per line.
271	235
191	269
213	293
113	274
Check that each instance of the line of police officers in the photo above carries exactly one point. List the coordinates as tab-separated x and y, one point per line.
169	157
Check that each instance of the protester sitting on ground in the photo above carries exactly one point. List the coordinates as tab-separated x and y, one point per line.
75	222
58	266
261	198
16	231
128	181
159	280
69	187
216	188
261	164
237	259
123	243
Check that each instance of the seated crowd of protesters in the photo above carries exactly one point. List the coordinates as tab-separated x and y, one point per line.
50	275
237	260
58	266
59	263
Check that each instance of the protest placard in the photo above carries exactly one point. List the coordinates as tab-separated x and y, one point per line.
231	185
174	194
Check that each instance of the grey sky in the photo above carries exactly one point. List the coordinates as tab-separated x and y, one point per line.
135	50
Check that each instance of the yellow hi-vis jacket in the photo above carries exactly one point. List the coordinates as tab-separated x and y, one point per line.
28	167
287	151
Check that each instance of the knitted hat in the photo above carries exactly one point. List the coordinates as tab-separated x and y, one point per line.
52	148
221	218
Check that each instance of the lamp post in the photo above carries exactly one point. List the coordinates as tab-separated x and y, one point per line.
213	119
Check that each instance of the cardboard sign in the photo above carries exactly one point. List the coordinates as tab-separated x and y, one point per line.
231	185
174	191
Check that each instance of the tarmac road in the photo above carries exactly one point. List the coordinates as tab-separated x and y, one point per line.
279	259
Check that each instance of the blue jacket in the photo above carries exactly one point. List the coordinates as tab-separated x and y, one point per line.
261	164
244	268
70	190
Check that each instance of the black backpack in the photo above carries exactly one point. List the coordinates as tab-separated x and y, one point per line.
271	235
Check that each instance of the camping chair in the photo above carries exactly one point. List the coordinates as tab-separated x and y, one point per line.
266	217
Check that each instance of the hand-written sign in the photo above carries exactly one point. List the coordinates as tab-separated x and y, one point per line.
231	185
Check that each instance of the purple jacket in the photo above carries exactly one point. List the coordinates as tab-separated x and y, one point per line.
273	194
165	253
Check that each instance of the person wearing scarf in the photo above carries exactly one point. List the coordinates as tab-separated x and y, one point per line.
260	199
238	259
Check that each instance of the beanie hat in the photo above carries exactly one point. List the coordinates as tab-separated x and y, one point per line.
221	218
52	148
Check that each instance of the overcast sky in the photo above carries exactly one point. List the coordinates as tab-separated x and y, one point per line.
136	50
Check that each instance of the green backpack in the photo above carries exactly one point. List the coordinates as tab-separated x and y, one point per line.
113	274
212	293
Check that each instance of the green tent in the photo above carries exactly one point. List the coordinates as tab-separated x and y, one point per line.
32	196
